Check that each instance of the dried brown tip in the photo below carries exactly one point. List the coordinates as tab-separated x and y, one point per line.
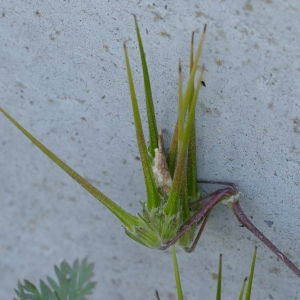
193	34
124	45
246	278
179	67
204	29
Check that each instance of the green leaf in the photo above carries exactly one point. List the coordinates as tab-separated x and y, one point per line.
85	273
47	292
28	291
52	283
73	283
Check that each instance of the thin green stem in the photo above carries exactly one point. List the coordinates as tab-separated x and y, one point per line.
219	286
177	275
249	287
243	289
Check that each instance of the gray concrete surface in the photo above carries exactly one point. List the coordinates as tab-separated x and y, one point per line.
63	77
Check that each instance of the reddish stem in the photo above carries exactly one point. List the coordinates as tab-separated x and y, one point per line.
203	198
237	211
242	218
220	182
196	240
199	214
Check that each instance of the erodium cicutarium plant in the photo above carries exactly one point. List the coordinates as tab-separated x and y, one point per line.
175	208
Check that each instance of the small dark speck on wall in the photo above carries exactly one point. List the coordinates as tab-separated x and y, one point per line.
269	223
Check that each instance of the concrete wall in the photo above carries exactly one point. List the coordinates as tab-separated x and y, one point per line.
63	78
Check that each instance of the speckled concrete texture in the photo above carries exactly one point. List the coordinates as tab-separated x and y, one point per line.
63	77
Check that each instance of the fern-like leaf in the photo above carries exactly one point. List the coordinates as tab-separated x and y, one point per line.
74	282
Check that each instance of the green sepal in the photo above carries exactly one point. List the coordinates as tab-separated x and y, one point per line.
144	234
165	225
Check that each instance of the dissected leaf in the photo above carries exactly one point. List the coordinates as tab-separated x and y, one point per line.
74	283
